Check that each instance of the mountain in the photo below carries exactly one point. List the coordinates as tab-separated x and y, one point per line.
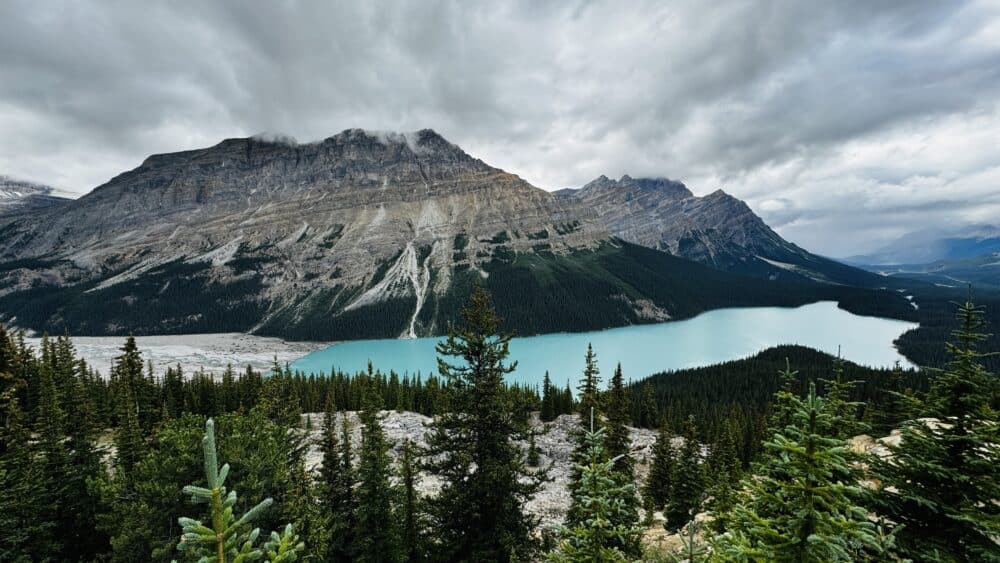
18	196
928	246
945	258
363	235
718	230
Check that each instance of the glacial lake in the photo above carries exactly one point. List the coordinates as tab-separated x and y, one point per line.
710	338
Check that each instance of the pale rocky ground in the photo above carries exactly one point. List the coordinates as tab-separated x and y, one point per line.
554	443
210	352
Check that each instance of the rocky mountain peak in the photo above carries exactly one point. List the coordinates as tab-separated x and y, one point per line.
629	187
19	195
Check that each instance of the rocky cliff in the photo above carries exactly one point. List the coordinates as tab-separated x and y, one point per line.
376	234
716	229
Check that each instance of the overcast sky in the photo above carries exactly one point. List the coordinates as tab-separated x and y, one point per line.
844	124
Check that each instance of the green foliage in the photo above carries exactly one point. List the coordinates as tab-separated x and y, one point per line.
228	538
336	487
411	517
656	492
376	537
479	513
141	507
606	521
687	483
794	508
548	412
741	393
619	417
943	479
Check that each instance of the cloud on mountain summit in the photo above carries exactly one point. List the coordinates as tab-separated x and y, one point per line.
844	124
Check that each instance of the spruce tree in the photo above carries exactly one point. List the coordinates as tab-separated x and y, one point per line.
794	507
534	458
618	444
687	483
602	529
228	538
942	481
838	396
591	414
656	493
411	519
302	507
589	393
619	417
725	474
479	513
337	479
29	531
649	413
897	405
548	413
376	538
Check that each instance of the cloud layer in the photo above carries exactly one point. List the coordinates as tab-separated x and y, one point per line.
844	124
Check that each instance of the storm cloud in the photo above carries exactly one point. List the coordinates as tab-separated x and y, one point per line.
844	124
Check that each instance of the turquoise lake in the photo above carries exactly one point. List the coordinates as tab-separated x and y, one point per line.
710	338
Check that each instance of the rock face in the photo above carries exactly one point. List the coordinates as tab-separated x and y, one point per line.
717	229
17	197
554	442
374	235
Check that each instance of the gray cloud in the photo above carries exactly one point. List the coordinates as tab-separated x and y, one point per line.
844	124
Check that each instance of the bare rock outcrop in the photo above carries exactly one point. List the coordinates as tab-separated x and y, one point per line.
554	442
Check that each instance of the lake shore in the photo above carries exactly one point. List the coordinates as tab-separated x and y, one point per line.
211	352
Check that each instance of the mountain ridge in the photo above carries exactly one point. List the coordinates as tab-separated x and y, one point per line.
369	234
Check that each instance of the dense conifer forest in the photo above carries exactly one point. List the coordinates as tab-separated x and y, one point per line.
135	466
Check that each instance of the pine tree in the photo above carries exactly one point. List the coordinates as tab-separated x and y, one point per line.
228	538
533	458
589	392
649	413
337	479
656	493
600	532
619	442
897	405
725	476
794	508
838	396
783	405
548	413
411	518
479	513
687	483
302	507
29	531
129	442
943	479
591	414
376	537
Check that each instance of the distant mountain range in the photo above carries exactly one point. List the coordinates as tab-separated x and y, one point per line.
381	234
950	258
17	196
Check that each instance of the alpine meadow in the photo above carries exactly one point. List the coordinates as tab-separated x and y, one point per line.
579	282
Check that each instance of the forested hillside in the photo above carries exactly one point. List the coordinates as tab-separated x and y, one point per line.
136	467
